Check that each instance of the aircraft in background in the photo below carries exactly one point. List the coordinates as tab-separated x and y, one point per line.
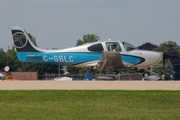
96	55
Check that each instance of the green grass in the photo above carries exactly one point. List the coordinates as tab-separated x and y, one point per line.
89	104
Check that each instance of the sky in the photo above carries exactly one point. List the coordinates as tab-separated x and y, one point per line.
60	23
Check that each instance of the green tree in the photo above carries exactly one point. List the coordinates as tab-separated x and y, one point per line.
168	68
3	60
16	64
33	39
160	48
87	39
172	64
175	46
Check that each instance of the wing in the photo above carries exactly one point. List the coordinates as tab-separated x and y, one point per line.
110	60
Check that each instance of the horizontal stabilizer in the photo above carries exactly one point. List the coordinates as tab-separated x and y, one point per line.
33	56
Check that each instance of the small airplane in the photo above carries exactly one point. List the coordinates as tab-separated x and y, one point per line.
107	55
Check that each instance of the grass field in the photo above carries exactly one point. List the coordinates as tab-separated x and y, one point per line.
89	104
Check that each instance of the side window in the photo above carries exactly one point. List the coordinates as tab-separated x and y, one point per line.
113	46
96	48
128	47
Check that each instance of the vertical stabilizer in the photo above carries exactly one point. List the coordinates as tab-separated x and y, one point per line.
22	42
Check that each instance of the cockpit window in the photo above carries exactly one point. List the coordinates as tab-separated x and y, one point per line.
113	46
96	48
128	47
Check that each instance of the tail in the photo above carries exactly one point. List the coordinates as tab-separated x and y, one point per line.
22	42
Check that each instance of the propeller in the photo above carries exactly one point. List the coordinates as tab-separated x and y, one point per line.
165	56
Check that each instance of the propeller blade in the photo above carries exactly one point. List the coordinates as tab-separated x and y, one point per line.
164	62
164	49
165	56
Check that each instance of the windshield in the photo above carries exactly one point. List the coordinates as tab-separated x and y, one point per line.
128	47
113	46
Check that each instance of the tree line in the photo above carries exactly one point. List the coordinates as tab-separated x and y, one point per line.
171	48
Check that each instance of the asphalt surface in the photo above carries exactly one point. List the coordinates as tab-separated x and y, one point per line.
89	85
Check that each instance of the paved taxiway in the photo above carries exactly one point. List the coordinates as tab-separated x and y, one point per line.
90	85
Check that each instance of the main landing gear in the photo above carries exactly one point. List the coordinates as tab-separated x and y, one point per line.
109	76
